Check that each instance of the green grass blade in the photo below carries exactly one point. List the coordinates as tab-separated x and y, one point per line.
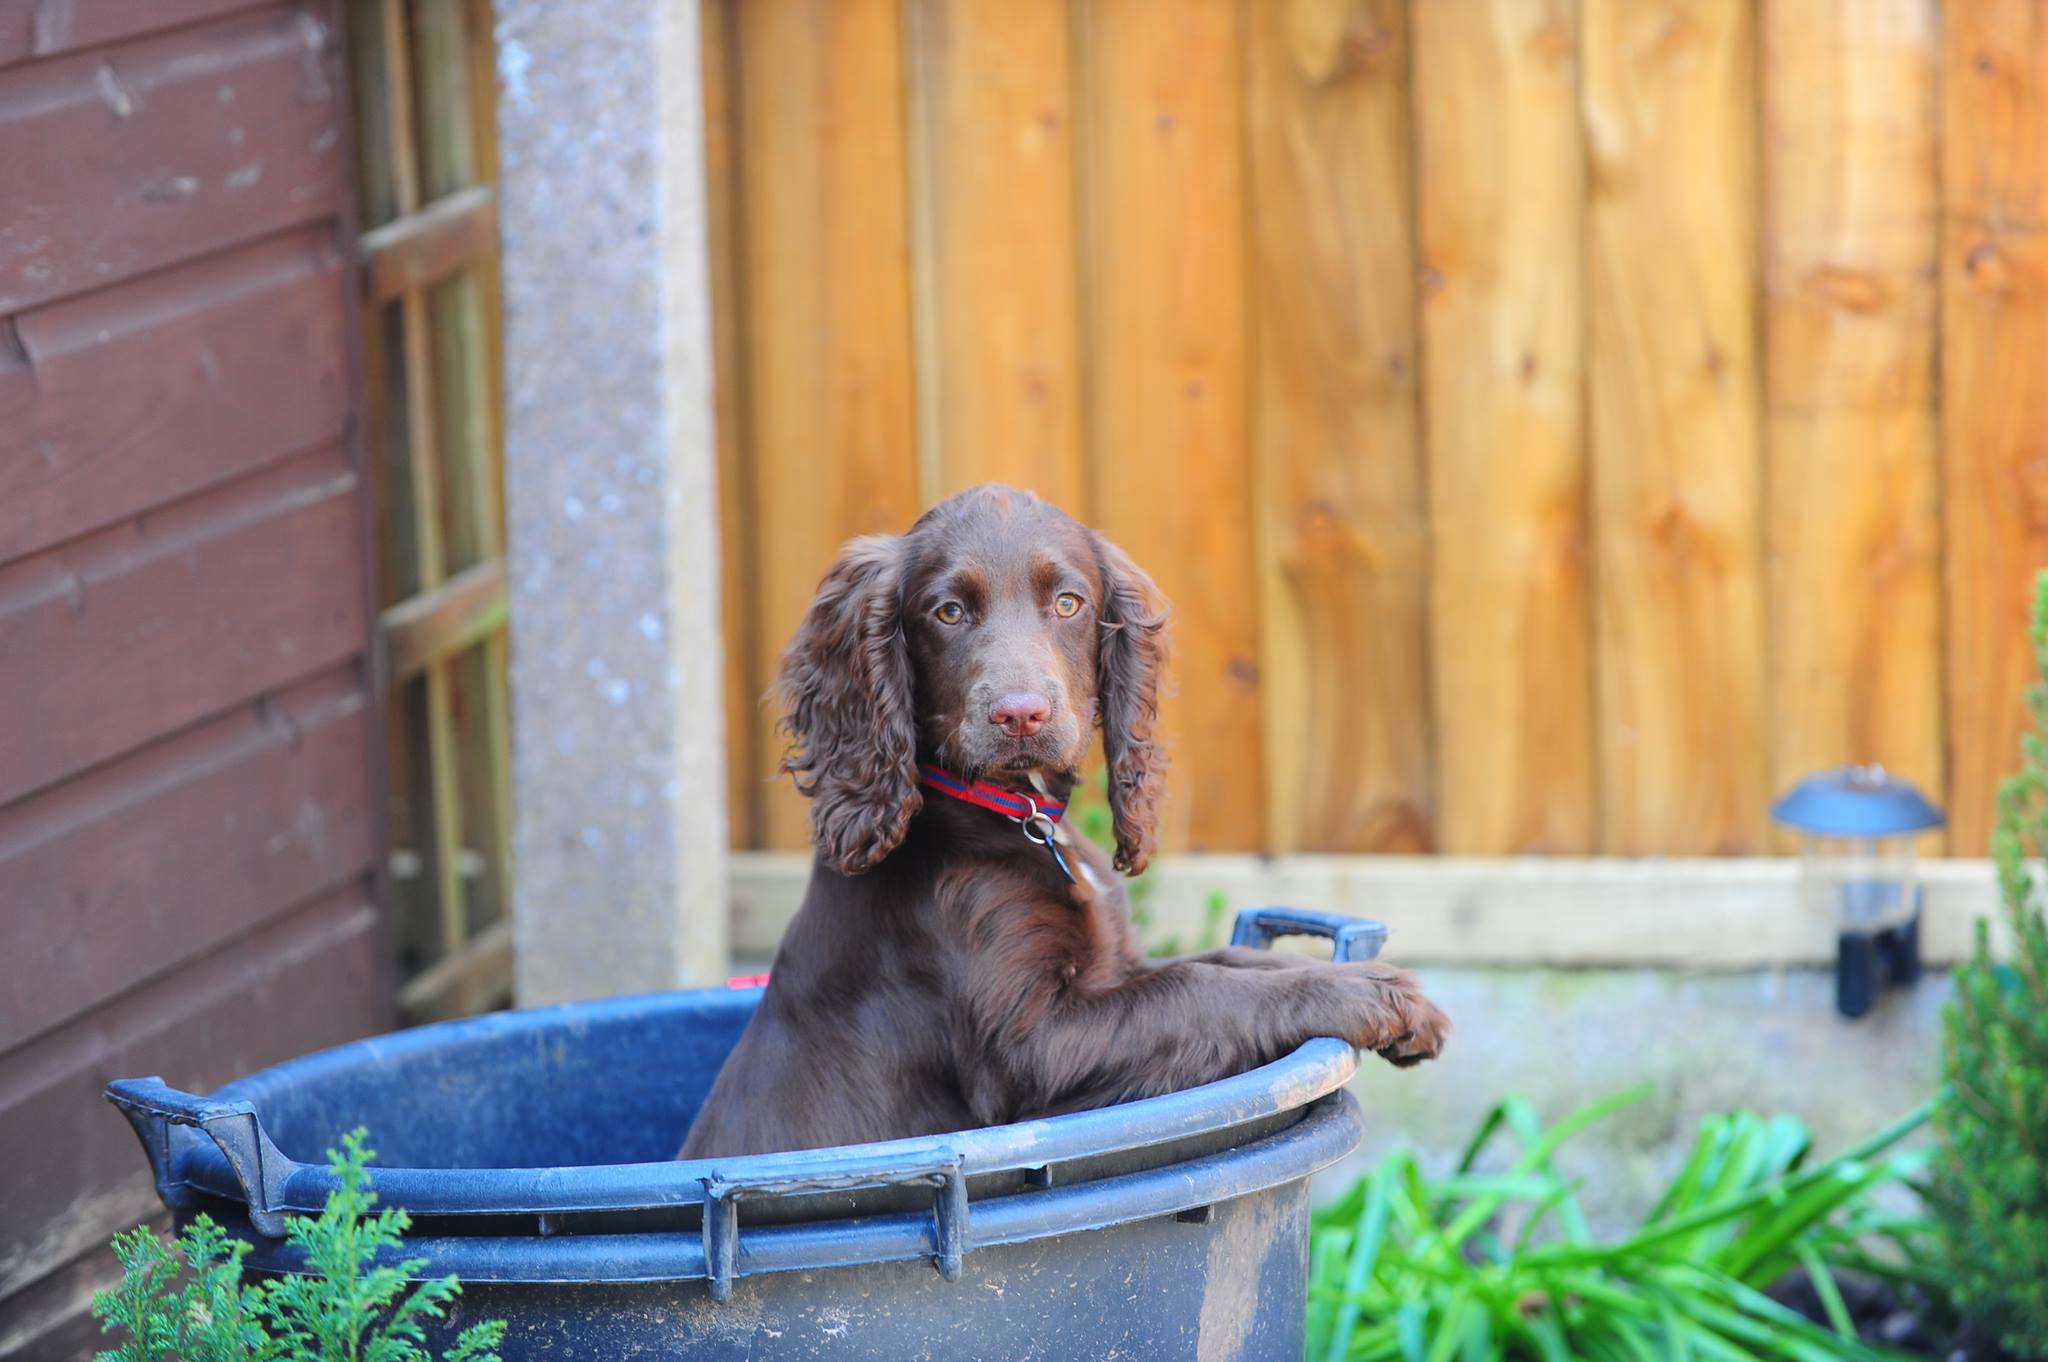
1801	1212
1564	1200
1344	1210
1703	1342
1521	1117
1365	1250
1482	1210
1477	1344
1597	1346
1681	1196
1329	1251
1408	1322
1633	1340
1787	1142
1905	1270
1450	1327
1545	1336
1608	1295
1375	1344
1489	1125
1509	1186
1747	1312
1740	1164
1676	1348
1889	1136
1830	1294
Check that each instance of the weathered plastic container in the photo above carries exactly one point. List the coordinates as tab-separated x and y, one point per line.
533	1151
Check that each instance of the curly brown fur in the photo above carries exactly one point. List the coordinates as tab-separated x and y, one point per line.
1133	659
845	687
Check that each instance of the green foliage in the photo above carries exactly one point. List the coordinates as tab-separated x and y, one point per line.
1990	1187
1088	810
1484	1265
204	1320
186	1300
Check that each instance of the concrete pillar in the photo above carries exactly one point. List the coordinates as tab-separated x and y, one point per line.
617	719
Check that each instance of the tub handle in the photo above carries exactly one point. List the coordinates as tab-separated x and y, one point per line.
1351	938
155	1109
941	1172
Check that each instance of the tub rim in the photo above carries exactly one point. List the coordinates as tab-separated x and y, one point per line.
216	1145
271	1182
1330	1128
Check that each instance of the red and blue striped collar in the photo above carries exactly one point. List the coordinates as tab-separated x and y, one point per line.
1009	803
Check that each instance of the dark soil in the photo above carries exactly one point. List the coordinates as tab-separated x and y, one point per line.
1887	1316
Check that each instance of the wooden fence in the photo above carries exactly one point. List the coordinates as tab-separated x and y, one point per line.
1560	423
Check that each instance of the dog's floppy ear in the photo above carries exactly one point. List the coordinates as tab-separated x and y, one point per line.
846	695
1129	661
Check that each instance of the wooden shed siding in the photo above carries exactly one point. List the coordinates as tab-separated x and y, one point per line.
132	396
131	158
75	1172
190	806
38	28
160	622
154	860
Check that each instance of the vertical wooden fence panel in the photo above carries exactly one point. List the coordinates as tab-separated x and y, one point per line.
1670	100
1500	187
1165	297
745	766
992	137
1849	157
1343	599
1994	271
830	411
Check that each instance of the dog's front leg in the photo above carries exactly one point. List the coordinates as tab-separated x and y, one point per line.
1172	1025
1249	957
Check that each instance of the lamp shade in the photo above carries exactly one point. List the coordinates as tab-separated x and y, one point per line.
1856	801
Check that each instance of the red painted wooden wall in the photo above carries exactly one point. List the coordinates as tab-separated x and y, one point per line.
190	805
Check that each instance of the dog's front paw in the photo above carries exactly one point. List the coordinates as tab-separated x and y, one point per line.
1389	1015
1424	1036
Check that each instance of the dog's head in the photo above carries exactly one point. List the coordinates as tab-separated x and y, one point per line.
991	639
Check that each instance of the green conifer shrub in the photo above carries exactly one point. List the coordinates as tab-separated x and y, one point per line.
1990	1185
186	1301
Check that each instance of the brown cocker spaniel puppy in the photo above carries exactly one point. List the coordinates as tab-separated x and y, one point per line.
960	959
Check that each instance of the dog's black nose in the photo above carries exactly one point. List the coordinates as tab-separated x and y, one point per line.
1020	713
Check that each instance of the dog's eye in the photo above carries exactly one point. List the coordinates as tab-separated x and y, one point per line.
952	612
1066	604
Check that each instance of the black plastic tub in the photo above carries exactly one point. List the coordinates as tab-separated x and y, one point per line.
532	1150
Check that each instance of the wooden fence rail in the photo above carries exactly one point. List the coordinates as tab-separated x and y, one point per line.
1560	422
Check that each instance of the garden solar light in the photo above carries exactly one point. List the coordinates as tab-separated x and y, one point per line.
1857	826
